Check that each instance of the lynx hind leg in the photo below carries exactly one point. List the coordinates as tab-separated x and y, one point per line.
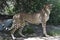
20	32
22	24
12	35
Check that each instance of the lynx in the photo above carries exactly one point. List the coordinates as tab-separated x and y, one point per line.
21	19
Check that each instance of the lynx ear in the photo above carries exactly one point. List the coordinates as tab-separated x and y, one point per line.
51	4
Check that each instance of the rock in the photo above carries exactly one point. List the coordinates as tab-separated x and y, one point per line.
6	23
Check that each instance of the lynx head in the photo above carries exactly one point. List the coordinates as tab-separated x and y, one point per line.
48	6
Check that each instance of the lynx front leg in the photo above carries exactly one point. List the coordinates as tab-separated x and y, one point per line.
44	29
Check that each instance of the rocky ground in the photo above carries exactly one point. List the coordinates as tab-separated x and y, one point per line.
37	35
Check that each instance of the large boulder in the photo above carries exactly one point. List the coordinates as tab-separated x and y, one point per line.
6	23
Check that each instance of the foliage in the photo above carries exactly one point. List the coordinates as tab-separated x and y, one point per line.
9	9
55	13
6	7
29	5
